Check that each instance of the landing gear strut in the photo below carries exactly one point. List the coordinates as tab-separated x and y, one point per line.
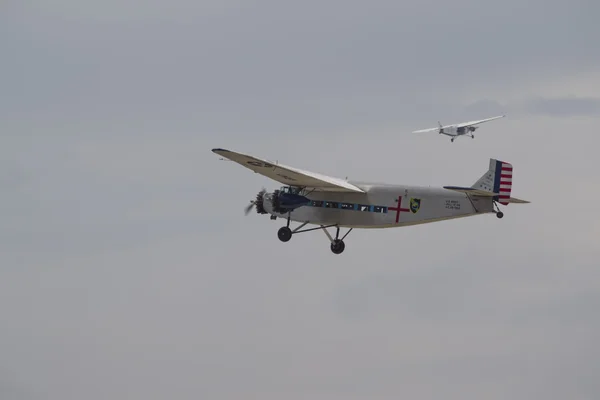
337	245
285	233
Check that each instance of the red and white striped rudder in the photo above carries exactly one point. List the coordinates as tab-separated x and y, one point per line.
498	179
504	173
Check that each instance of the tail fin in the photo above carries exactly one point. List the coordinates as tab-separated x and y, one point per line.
498	179
495	183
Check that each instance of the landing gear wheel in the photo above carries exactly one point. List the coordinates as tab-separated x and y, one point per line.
337	246
284	234
472	136
452	140
499	214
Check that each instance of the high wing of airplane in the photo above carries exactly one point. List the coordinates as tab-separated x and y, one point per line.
481	121
289	175
329	202
463	128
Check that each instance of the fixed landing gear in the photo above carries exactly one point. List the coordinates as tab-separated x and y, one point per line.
338	246
284	234
499	214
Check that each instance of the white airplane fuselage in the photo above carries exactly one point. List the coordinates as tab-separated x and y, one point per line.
384	206
454	131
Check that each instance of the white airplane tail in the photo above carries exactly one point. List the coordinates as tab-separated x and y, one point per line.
498	180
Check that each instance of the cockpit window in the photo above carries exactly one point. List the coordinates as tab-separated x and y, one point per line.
290	189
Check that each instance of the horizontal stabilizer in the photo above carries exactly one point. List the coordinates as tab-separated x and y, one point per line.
478	192
519	201
471	191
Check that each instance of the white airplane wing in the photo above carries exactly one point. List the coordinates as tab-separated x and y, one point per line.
428	130
460	125
470	123
289	175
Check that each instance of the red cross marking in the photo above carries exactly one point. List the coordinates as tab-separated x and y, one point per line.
398	209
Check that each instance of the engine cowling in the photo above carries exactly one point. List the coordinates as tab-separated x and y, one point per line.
259	203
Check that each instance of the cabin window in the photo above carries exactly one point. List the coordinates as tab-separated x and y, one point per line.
290	189
349	206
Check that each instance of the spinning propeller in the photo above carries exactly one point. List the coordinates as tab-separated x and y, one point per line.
258	203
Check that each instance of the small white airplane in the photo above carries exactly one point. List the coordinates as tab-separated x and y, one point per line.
311	198
455	130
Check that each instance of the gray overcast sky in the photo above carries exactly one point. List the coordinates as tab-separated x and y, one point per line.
127	268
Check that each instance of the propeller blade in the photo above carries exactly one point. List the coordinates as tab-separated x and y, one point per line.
256	203
248	208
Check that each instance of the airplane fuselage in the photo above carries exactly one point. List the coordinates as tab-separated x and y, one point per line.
454	131
384	206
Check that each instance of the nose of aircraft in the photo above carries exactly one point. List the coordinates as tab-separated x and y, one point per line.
279	203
